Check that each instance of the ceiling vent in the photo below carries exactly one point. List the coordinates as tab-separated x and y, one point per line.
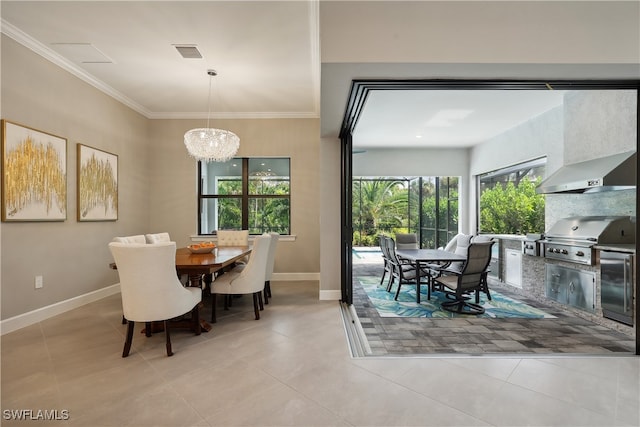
188	51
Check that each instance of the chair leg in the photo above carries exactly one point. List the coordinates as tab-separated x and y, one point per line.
485	288
129	339
398	291
260	304
124	321
195	315
168	335
147	329
213	308
384	273
462	306
265	292
256	309
390	284
268	287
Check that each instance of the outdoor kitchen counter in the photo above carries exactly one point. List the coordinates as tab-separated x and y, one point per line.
626	248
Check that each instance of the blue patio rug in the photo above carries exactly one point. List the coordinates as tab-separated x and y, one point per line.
500	305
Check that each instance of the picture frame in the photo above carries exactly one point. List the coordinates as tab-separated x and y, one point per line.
34	177
97	184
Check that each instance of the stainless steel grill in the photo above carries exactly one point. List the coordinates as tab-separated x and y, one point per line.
531	244
572	239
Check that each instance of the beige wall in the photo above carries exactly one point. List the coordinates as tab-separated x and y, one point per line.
157	182
174	193
330	267
71	256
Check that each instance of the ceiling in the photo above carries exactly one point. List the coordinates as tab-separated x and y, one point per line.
267	56
266	53
446	118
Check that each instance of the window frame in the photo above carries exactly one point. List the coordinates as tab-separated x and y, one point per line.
515	167
414	225
244	196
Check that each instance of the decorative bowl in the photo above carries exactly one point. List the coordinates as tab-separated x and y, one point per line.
201	248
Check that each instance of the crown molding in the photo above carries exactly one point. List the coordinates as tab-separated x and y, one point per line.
47	53
247	115
29	42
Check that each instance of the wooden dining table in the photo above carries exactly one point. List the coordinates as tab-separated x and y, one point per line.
196	265
427	256
201	267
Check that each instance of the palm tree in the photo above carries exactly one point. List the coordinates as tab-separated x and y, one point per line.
379	205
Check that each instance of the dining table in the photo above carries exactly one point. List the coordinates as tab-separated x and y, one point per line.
195	265
419	257
200	267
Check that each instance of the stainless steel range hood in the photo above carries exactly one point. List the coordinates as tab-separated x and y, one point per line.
615	172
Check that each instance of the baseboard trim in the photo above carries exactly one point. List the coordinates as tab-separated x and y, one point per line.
26	319
296	277
331	295
22	320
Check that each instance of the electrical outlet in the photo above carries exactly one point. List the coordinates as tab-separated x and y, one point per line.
39	282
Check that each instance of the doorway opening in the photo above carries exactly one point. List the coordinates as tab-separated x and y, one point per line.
361	90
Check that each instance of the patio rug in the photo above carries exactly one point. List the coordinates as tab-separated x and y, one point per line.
500	305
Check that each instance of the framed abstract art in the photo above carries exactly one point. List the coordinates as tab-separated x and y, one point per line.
34	174
97	185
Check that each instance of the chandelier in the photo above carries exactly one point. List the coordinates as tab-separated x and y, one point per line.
208	144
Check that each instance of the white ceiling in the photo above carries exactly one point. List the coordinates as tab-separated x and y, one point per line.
446	118
267	55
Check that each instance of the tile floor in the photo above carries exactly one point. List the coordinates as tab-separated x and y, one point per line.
566	334
292	368
471	335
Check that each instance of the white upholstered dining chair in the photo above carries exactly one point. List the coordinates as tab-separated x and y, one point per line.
150	289
137	238
271	260
233	238
133	239
157	237
249	279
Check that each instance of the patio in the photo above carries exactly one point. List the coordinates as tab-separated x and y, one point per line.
566	334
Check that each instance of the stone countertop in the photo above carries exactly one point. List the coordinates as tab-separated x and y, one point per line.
507	236
626	248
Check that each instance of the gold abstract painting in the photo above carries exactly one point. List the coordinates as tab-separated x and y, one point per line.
97	185
34	174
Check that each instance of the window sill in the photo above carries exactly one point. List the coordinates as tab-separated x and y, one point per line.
212	238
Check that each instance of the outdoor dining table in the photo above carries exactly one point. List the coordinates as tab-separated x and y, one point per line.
427	256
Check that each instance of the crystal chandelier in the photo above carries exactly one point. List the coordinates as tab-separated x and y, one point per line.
211	145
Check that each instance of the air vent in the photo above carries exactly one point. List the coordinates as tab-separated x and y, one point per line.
188	51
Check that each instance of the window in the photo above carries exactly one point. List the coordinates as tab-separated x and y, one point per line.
439	210
427	206
508	202
245	193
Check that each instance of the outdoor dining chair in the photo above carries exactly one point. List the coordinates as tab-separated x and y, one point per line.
470	278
